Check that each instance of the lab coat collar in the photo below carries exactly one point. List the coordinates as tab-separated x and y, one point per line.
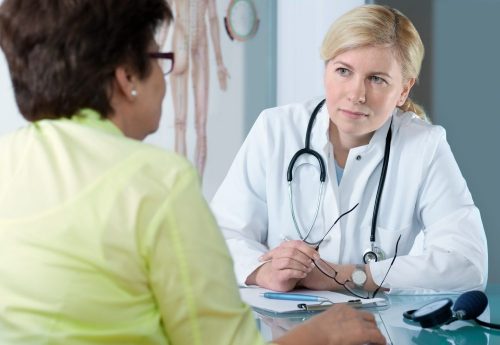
322	140
377	142
376	145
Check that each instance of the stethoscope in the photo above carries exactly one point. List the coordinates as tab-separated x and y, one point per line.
371	254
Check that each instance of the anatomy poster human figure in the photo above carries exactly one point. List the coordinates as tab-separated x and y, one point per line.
192	18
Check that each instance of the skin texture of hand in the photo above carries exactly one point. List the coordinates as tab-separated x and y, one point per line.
339	325
316	280
290	265
285	266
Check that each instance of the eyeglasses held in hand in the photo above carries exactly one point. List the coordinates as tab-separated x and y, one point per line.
328	270
165	60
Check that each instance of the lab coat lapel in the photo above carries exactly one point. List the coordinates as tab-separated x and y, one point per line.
359	185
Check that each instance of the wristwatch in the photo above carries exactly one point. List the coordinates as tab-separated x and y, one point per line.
358	276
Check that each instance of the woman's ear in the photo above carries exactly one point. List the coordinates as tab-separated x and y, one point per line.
406	91
125	83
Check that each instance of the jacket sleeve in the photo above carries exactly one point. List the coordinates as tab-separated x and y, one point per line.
240	204
190	272
454	256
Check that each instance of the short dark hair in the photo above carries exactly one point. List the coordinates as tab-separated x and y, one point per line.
62	54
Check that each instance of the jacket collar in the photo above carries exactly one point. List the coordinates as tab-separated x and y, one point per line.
91	118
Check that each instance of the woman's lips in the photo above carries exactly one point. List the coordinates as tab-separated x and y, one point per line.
352	114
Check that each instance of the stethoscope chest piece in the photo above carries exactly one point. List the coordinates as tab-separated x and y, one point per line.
373	254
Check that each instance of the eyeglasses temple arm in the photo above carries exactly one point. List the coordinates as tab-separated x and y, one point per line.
392	262
336	221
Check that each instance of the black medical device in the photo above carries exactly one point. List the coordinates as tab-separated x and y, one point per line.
468	306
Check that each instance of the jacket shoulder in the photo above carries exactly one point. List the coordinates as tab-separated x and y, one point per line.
414	128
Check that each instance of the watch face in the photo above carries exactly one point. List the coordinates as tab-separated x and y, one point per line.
242	19
358	277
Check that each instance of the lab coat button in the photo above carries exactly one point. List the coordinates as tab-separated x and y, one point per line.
358	157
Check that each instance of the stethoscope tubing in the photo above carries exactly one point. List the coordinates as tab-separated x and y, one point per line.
322	176
307	150
380	189
316	212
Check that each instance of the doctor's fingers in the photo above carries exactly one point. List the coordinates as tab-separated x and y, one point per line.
288	275
277	280
285	255
287	263
294	248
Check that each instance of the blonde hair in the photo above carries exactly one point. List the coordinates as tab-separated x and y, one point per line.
376	25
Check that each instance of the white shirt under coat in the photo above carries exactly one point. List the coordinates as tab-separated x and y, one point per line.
424	193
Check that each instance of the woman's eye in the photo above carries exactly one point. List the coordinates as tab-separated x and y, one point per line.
377	80
342	71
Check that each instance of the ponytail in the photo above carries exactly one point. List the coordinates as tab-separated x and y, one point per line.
409	105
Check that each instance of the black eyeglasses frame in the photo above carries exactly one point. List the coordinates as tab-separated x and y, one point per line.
344	284
166	56
334	277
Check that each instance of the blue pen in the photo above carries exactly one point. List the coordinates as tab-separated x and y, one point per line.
293	297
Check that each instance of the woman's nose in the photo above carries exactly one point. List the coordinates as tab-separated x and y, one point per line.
357	92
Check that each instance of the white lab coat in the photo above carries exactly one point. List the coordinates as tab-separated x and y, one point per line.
424	193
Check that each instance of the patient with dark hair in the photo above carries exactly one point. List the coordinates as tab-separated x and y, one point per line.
105	239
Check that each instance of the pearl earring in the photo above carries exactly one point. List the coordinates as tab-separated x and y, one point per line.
133	93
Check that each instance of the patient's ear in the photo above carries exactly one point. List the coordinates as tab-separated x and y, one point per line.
125	83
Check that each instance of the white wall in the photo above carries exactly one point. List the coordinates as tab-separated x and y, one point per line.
9	114
225	114
301	27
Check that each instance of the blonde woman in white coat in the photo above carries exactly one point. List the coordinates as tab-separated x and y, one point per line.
372	59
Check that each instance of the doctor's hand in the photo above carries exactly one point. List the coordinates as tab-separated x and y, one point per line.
284	266
316	280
